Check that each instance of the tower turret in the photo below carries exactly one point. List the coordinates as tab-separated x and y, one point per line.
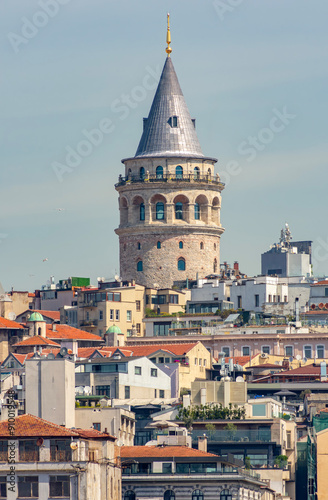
169	197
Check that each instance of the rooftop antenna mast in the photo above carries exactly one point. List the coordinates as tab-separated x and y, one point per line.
168	49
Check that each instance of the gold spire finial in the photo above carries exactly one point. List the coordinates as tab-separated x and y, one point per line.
168	49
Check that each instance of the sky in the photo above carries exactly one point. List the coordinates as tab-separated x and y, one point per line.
254	75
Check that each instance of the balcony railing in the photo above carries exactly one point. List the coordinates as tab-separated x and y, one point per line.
234	435
209	179
29	456
233	471
91	323
60	455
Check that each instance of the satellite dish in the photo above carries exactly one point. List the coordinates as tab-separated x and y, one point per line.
51	355
291	359
116	277
39	442
298	357
305	360
73	445
240	379
63	351
12	316
87	390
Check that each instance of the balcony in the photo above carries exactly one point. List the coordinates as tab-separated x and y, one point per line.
92	323
128	475
89	303
150	178
237	436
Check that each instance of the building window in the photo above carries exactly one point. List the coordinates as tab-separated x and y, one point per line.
214	246
3	486
174	299
197	211
103	390
153	372
169	494
197	495
270	298
87	316
158	244
307	351
289	350
138	305
180	244
178	210
257	300
137	370
285	298
225	495
117	315
215	266
111	314
142	173
28	487
97	426
226	351
246	350
265	349
139	245
174	121
196	361
205	362
138	326
142	211
129	495
60	450
196	173
161	393
160	210
201	245
59	486
155	393
179	172
3	451
181	265
101	315
128	315
320	351
159	172
289	439
28	451
127	392
239	300
139	265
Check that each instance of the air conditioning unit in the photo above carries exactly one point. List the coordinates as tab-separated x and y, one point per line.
264	355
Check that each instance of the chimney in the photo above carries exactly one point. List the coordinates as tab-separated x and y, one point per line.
202	443
54	327
236	265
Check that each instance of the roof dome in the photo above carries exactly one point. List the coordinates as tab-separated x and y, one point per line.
114	329
35	316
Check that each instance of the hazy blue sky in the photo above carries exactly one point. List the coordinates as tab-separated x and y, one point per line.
240	65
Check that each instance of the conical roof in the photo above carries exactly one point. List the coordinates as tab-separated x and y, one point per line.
164	135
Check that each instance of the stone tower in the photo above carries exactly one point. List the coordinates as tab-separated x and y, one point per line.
169	197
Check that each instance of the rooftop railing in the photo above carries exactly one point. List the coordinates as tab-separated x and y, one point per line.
209	179
234	435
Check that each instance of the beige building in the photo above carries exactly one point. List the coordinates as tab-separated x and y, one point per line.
14	303
322	464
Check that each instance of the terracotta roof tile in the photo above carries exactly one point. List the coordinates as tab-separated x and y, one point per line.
37	340
162	451
30	426
93	433
69	332
146	350
55	315
7	323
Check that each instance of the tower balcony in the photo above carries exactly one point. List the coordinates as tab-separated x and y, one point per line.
153	178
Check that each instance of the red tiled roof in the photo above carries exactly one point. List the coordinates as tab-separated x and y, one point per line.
69	332
30	426
20	357
324	282
302	370
239	360
162	451
55	315
31	294
37	340
267	365
7	323
146	350
94	434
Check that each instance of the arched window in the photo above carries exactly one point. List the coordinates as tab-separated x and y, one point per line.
214	246
139	245
178	210
142	173
181	264
129	172
39	331
225	495
159	244
196	173
129	495
197	495
197	211
209	172
159	211
201	246
180	244
159	172
215	266
142	211
179	172
139	266
169	495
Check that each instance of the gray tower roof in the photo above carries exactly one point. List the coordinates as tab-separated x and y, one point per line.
163	135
